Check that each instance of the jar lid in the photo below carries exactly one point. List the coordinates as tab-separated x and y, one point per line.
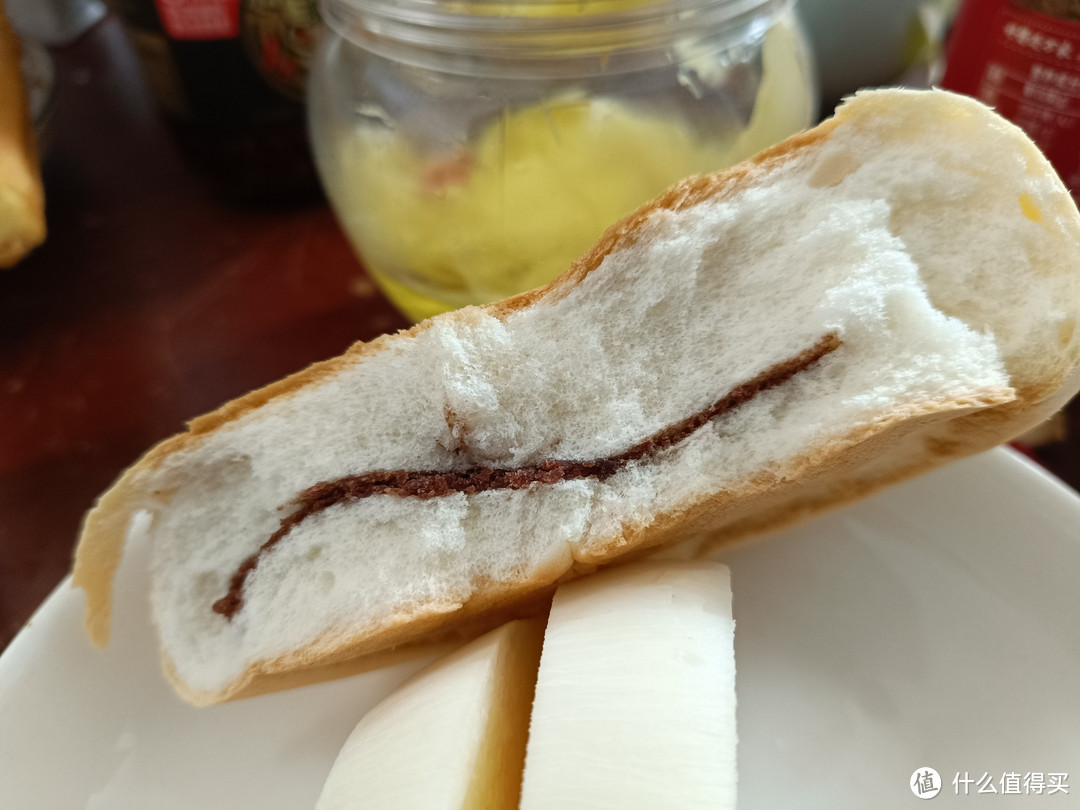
546	37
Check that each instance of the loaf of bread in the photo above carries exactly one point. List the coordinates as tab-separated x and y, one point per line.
895	288
22	200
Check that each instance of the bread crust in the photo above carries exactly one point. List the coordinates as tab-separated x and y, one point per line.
22	197
899	445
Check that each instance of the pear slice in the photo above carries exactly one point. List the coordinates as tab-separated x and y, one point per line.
450	738
635	700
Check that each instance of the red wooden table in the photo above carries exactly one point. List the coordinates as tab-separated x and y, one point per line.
150	303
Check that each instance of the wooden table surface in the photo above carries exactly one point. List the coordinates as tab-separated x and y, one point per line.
150	303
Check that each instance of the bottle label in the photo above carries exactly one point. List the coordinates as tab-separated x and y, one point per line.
279	38
1026	64
200	19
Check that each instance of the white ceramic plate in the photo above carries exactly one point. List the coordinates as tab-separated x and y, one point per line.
937	624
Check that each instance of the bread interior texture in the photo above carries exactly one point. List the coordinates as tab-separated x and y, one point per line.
888	231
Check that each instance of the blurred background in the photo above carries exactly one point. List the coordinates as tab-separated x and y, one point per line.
197	247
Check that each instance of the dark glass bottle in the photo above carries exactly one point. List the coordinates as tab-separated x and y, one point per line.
229	76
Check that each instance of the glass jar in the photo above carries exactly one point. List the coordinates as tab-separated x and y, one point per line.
473	148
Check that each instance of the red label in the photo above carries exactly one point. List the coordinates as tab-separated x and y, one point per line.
200	19
1027	65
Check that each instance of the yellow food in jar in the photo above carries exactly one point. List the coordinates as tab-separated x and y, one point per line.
536	188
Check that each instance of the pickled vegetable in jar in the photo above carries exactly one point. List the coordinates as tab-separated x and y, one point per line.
473	150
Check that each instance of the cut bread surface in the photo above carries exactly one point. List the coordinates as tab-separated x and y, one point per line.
926	235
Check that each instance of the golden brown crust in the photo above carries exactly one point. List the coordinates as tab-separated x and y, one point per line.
98	554
22	198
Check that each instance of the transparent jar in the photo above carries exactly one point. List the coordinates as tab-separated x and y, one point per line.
472	149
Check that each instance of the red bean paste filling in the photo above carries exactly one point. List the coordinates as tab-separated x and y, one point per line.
433	484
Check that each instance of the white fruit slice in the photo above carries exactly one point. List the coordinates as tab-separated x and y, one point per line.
451	737
635	700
